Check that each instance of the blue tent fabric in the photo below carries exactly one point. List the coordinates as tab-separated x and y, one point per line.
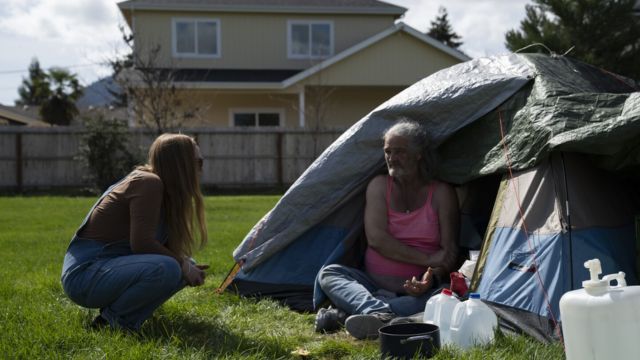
297	264
292	268
618	253
511	265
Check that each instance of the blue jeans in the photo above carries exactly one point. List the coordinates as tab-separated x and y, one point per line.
126	287
353	291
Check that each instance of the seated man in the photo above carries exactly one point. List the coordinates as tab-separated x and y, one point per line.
411	225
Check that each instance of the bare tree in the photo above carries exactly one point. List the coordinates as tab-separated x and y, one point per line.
317	101
149	89
316	111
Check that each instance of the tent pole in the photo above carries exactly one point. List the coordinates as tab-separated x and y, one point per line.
568	216
230	276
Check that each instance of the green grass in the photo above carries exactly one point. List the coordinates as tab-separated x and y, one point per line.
37	321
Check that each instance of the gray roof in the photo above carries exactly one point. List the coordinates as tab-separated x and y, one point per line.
299	6
233	75
16	115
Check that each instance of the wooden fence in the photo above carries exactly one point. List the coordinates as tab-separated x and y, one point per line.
46	158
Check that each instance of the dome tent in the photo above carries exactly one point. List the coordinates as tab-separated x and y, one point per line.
524	113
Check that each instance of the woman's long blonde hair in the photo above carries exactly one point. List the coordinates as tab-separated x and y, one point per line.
173	158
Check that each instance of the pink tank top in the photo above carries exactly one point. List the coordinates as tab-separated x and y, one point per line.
419	229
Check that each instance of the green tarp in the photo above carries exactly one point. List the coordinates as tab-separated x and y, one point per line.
568	106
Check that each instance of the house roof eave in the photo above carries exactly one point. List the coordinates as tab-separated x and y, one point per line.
400	26
435	43
12	116
390	10
230	85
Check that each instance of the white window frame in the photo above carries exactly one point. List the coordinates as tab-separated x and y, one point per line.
174	39
290	24
256	111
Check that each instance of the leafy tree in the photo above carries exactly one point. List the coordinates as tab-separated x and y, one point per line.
604	33
35	89
441	30
59	107
55	92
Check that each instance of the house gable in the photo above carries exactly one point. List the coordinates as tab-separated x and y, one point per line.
398	56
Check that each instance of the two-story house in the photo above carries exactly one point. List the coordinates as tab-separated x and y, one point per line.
285	63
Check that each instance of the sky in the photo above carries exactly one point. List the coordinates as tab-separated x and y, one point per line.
81	35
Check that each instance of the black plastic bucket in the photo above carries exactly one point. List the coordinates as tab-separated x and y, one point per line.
404	341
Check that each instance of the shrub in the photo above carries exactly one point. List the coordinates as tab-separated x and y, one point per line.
106	152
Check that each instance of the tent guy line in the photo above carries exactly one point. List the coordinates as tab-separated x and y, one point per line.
536	265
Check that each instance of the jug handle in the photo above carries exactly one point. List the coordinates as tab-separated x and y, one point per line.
415	338
619	277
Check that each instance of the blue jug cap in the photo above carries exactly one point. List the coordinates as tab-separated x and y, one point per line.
474	296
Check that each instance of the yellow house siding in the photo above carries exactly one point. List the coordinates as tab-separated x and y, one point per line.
351	30
251	41
340	109
398	60
153	29
214	106
347	105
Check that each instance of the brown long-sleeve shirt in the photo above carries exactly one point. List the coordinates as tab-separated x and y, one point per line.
130	211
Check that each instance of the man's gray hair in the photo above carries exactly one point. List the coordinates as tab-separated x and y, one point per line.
419	143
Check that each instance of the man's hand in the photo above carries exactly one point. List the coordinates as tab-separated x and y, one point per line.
414	287
193	274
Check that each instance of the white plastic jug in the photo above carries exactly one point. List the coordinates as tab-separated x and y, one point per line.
438	311
473	323
601	321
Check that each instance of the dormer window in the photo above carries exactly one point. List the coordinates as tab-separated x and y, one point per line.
196	38
309	39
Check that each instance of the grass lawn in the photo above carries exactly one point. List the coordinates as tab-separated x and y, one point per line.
37	321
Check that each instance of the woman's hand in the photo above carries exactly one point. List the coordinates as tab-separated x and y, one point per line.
193	274
414	287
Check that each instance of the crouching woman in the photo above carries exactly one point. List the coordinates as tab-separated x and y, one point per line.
132	251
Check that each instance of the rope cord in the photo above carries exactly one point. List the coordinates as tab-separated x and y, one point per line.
551	52
526	231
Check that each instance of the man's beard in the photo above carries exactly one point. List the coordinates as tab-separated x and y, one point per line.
396	171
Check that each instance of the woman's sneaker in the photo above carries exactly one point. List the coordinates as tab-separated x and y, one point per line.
329	319
365	326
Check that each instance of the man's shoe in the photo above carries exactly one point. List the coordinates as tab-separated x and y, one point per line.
99	322
329	320
415	318
365	326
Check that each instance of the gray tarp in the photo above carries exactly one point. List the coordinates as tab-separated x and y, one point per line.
543	103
